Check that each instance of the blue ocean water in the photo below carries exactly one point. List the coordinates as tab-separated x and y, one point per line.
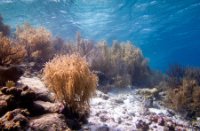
167	31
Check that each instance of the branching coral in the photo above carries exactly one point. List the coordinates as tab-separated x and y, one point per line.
37	42
71	79
10	52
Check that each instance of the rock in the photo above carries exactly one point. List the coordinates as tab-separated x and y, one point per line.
14	120
5	102
161	112
154	126
131	113
103	118
196	125
105	97
154	119
49	122
148	103
117	120
45	96
162	94
102	95
142	125
103	128
102	77
161	121
73	124
85	128
39	88
170	125
28	95
118	101
11	73
170	113
49	107
23	96
180	128
149	92
35	84
32	64
97	113
156	104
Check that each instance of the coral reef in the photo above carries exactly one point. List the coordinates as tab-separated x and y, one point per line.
71	80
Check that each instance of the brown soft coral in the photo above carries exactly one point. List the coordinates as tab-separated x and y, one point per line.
185	99
38	42
10	52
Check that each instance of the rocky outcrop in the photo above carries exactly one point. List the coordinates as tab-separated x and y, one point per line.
38	87
13	98
15	120
22	109
49	122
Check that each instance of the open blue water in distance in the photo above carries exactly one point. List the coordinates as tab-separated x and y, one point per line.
167	31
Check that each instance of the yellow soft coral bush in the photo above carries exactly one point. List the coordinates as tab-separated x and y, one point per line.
38	42
10	52
71	79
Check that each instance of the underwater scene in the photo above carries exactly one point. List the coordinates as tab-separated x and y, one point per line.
99	65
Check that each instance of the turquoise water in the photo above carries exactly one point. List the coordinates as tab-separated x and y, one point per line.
167	31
